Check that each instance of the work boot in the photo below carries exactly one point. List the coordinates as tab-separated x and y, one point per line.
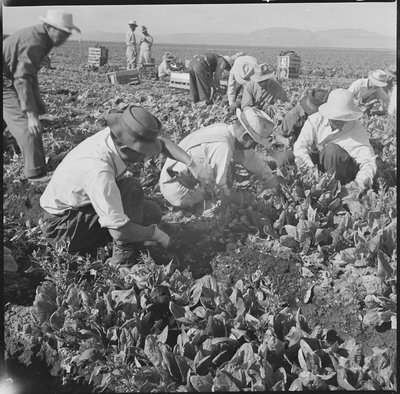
124	255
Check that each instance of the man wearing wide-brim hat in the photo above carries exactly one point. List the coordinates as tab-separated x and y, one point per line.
93	199
365	90
294	119
23	53
205	71
240	73
262	90
220	145
130	42
334	140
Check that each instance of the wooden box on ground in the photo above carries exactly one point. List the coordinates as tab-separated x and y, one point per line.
288	65
148	70
179	81
123	77
98	56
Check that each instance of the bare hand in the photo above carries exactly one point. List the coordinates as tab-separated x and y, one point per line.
34	125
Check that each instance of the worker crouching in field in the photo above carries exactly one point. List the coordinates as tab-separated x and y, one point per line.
219	145
23	53
367	91
241	72
294	120
205	73
164	69
91	199
334	140
262	90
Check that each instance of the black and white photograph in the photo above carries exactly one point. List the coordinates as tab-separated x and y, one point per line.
199	197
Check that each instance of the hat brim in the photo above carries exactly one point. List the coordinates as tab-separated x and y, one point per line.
260	140
377	82
132	24
68	29
263	77
330	113
117	125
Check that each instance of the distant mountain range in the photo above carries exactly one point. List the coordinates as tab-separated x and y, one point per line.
270	37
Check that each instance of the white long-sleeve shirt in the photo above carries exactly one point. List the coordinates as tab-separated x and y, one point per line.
362	92
240	68
215	144
392	110
353	138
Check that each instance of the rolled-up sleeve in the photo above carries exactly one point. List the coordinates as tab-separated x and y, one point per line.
304	144
231	89
105	197
248	96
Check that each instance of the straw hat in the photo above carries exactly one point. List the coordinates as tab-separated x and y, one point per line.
340	106
378	78
244	74
262	72
391	71
257	123
311	102
168	57
136	128
60	20
132	23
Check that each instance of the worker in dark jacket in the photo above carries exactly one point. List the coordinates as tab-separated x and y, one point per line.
294	120
205	73
23	53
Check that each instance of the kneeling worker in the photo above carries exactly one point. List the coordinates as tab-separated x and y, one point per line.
219	145
91	199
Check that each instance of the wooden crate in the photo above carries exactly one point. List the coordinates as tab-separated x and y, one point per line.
98	56
179	81
148	70
124	77
288	66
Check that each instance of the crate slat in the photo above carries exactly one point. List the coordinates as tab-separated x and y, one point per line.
124	77
179	81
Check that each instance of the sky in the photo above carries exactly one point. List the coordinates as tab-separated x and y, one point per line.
377	17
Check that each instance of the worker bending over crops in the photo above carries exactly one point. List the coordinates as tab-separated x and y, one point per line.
23	53
130	41
92	199
294	120
205	73
146	41
262	90
366	91
334	140
219	145
391	89
241	71
164	69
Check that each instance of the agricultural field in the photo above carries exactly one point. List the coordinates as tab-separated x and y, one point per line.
289	291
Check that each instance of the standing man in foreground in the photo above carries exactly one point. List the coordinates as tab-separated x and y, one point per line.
23	53
130	41
219	144
91	199
334	140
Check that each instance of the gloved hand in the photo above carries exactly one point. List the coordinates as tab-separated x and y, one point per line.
201	170
233	107
160	237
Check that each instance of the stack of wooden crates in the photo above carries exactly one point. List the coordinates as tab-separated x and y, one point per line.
288	65
98	56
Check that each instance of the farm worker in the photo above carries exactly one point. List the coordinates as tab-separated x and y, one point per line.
392	89
391	78
91	199
23	53
365	90
294	119
219	144
205	73
164	69
146	41
130	41
241	71
334	140
262	90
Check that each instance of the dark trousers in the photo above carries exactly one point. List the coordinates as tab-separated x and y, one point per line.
200	80
31	146
332	159
81	228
